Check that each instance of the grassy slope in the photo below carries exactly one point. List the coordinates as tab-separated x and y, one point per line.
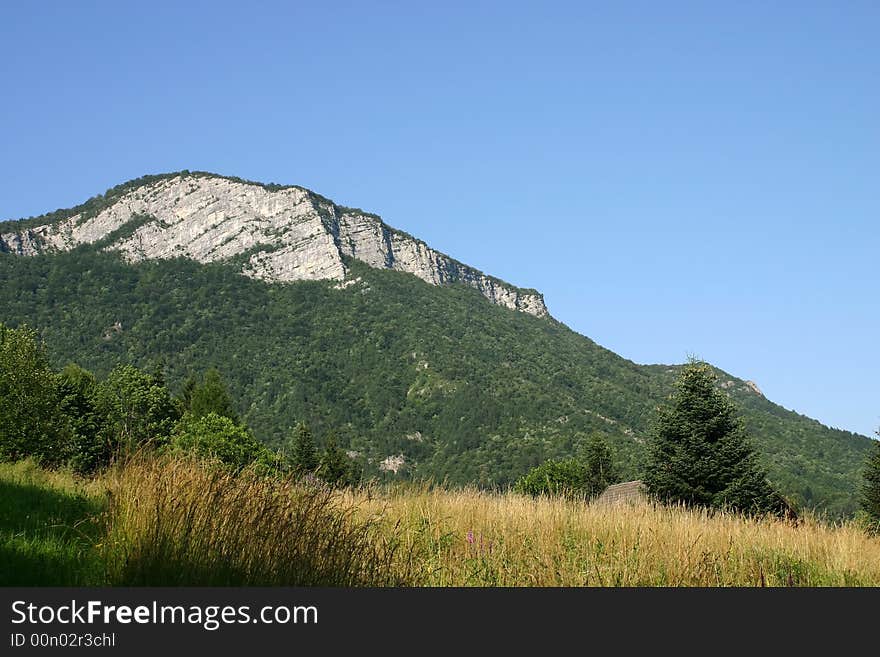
465	390
165	526
47	528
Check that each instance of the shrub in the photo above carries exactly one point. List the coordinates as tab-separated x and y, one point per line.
335	467
218	437
587	476
568	477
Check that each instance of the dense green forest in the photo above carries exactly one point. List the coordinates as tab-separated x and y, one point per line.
463	390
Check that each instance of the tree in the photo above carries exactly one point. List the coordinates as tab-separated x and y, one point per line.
599	464
136	408
304	457
216	436
700	454
211	396
870	493
189	387
334	466
88	449
31	421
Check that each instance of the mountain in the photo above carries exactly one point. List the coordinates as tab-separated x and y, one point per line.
421	365
282	234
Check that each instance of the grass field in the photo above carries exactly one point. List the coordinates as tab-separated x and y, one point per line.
49	527
177	522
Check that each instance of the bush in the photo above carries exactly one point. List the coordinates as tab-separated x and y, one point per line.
586	476
218	437
335	467
568	477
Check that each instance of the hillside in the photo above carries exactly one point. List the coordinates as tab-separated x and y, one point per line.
424	376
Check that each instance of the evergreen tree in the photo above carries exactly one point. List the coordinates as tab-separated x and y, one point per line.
211	396
334	466
700	454
304	457
870	493
189	387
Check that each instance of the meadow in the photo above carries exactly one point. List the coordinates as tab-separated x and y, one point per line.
178	521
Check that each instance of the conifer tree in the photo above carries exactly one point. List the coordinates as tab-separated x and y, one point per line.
189	387
700	454
212	396
870	493
304	457
334	466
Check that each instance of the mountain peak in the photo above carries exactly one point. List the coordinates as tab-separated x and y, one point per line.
281	233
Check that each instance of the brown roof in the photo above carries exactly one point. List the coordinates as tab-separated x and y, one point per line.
628	491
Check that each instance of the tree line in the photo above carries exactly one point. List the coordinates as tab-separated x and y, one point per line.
70	418
699	452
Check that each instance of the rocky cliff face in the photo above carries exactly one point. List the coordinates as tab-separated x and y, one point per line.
285	234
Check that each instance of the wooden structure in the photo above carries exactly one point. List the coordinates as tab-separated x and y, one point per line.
628	492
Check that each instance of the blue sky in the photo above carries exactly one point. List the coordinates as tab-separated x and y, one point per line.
677	178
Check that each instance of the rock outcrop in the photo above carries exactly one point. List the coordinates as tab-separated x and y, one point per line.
280	234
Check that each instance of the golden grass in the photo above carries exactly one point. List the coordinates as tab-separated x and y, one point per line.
170	521
179	521
472	538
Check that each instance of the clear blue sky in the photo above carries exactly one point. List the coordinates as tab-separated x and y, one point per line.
699	177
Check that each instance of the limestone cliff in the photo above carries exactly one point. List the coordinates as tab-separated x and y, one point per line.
282	233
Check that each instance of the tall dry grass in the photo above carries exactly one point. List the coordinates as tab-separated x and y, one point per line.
179	521
471	538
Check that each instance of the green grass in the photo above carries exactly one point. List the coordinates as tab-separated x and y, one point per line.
49	528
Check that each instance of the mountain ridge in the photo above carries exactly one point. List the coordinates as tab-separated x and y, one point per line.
284	233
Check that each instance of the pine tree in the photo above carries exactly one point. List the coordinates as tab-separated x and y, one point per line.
870	493
189	387
700	454
334	466
304	457
212	396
